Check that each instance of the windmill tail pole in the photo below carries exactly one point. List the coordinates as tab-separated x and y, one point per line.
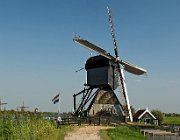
126	97
118	65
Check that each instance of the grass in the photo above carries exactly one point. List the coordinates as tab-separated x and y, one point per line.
103	134
63	130
27	129
15	127
171	120
33	127
121	133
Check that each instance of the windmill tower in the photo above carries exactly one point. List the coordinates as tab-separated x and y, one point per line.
105	74
1	103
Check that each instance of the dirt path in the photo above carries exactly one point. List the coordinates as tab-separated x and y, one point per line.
85	133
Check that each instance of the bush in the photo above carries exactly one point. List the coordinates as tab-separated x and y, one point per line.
159	116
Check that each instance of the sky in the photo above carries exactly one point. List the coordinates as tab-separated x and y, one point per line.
38	57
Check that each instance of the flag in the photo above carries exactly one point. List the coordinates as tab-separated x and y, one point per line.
55	99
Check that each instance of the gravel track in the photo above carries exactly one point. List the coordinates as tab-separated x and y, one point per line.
85	133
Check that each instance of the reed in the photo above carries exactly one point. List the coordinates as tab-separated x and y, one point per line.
34	127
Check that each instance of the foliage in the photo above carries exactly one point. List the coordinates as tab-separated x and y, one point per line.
26	126
133	110
171	120
159	115
15	125
124	133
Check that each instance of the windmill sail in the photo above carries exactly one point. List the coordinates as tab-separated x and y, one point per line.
121	75
132	68
127	66
93	47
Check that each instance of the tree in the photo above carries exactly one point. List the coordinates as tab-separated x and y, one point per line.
133	110
159	115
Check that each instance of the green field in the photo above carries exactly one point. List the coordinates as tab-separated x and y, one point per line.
171	120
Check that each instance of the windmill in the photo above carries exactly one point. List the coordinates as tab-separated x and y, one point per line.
105	73
1	103
22	108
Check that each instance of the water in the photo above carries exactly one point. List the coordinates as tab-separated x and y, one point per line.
164	138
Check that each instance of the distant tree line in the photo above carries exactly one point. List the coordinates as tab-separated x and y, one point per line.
172	114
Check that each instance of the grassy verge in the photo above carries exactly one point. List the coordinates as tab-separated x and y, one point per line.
121	133
104	135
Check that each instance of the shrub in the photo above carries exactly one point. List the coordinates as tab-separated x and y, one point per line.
159	115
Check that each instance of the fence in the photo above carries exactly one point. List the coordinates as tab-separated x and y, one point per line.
92	120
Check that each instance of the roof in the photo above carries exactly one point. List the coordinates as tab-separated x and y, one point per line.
139	114
96	61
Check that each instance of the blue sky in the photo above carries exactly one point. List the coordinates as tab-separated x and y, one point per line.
38	57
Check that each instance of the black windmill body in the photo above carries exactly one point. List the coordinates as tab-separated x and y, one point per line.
101	72
105	74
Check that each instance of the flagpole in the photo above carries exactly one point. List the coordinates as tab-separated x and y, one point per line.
55	100
59	104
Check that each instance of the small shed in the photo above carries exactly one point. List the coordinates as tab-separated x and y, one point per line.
145	116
